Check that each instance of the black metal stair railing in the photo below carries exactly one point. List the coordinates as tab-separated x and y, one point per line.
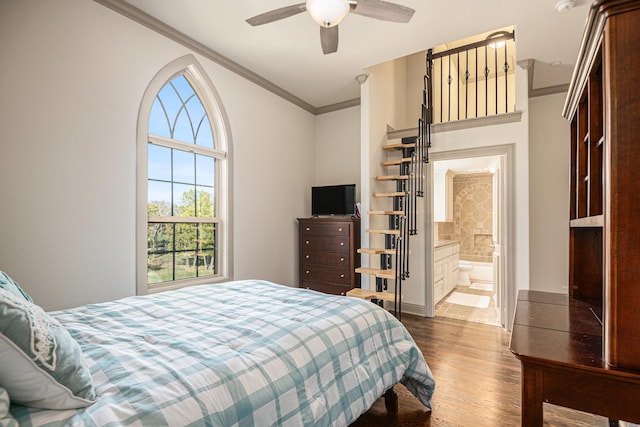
412	188
473	80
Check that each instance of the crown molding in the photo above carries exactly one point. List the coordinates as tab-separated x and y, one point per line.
338	106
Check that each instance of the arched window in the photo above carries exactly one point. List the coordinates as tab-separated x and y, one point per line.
184	189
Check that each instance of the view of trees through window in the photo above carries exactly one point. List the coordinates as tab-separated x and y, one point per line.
181	199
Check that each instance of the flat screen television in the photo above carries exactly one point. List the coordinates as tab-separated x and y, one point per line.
333	200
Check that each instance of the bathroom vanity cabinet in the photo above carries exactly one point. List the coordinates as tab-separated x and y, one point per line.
446	257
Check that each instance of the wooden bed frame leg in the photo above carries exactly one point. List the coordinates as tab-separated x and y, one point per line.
391	401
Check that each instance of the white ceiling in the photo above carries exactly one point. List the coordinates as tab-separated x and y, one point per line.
287	53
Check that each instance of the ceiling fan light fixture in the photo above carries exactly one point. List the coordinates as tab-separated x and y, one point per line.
328	13
565	5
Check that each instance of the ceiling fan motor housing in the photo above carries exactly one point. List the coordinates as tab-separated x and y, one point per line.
328	13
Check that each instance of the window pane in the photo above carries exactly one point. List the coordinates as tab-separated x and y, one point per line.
158	121
159	238
206	263
171	103
159	252
205	170
204	203
184	130
196	110
159	198
207	236
184	200
159	161
186	237
204	135
207	249
186	264
183	167
183	87
160	268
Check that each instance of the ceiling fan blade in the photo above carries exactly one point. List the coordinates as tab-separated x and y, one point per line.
329	39
383	10
277	14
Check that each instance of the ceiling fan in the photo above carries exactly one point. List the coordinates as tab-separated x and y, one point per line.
329	13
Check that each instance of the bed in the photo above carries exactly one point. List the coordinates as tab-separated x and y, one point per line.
240	353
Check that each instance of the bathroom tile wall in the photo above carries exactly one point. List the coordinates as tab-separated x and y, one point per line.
472	216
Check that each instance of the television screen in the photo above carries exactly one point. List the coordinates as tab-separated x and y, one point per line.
333	200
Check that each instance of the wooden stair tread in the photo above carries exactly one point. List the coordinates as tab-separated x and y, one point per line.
383	274
386	212
392	177
368	295
396	162
376	251
399	146
373	231
394	194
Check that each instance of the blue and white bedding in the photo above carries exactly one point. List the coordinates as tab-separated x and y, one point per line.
245	353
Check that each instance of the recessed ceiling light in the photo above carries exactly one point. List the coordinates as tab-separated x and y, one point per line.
556	63
564	5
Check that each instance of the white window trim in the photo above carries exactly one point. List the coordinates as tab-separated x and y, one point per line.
205	89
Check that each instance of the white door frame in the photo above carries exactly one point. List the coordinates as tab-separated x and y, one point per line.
507	210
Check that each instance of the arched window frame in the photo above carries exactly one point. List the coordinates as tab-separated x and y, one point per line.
204	88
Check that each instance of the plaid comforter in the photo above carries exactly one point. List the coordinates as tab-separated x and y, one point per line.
244	353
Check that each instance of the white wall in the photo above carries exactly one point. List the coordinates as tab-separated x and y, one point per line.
72	78
549	161
337	148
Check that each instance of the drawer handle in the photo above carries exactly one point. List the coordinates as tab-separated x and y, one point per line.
339	229
306	272
341	243
307	257
342	276
342	293
341	259
306	243
308	228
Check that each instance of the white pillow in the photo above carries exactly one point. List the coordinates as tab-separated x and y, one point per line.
41	365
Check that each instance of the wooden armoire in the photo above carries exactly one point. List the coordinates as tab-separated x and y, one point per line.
603	106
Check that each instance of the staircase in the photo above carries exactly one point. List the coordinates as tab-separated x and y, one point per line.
412	154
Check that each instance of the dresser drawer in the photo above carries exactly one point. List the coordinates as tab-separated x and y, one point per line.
327	288
325	258
328	244
318	273
323	229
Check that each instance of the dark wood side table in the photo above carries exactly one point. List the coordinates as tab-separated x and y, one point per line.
559	343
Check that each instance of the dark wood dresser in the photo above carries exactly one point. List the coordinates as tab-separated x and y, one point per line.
328	249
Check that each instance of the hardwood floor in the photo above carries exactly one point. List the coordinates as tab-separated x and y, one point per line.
477	381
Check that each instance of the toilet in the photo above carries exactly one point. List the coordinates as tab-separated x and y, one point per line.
464	267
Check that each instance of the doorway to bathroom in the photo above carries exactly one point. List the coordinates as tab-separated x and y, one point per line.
468	229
